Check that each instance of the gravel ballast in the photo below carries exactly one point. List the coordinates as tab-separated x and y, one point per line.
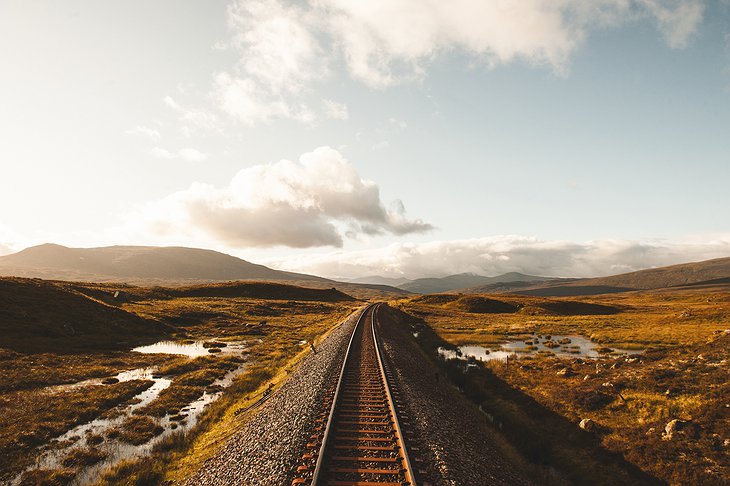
451	435
268	449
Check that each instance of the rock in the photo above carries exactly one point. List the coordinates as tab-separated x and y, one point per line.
586	377
565	373
214	344
677	427
651	431
588	425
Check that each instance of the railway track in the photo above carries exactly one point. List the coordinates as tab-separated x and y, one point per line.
358	439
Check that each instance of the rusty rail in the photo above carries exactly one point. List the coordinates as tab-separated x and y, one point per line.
362	441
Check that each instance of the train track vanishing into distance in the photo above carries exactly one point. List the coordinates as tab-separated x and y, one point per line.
358	439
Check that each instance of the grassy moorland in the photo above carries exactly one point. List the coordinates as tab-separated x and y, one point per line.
63	342
660	416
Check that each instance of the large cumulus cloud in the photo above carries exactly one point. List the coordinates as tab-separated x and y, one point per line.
314	201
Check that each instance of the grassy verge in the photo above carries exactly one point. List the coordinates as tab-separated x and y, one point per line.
181	456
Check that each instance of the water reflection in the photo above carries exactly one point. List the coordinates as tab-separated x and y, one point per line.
193	349
117	450
563	346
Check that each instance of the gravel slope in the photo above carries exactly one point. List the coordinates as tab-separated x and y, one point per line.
451	434
267	450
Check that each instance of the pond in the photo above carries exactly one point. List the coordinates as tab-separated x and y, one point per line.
562	346
194	349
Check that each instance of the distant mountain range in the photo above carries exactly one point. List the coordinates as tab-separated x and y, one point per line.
148	265
465	280
377	280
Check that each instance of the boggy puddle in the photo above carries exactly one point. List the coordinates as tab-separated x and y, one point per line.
193	349
114	449
562	346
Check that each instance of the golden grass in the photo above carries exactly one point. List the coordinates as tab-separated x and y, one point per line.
643	319
682	376
29	419
227	420
272	330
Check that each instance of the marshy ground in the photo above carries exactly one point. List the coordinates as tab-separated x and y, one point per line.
79	404
662	415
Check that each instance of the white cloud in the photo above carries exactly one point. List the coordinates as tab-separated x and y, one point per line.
278	43
500	254
335	110
677	19
143	131
398	124
161	153
193	118
192	155
245	100
188	154
313	202
279	55
381	145
285	46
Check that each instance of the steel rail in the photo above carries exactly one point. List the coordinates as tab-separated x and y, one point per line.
398	428
323	447
320	471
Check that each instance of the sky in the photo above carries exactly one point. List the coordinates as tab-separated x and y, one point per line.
402	138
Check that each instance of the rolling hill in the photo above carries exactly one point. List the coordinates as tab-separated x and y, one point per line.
42	316
140	264
696	273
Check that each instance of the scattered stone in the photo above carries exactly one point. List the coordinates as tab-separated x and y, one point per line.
565	373
588	425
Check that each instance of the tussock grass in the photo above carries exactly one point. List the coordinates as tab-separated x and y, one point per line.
41	354
138	430
30	421
83	457
683	375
